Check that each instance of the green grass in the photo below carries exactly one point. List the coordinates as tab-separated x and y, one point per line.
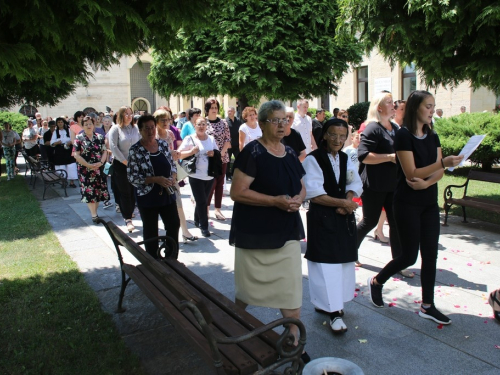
51	321
477	189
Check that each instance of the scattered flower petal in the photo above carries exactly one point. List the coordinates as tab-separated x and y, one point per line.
457	306
440	326
324	323
362	341
356	290
392	304
396	279
445	258
467	337
469	264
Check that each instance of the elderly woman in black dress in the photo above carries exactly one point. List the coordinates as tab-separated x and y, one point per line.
266	227
90	154
332	181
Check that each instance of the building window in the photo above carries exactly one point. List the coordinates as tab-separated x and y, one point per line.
409	81
28	110
362	80
140	106
89	110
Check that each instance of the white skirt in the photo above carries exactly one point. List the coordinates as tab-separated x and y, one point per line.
70	170
331	285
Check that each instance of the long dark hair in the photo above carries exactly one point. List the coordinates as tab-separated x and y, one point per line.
412	104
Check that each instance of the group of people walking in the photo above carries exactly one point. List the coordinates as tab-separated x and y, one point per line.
389	167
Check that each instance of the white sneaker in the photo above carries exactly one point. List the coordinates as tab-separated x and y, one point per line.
338	326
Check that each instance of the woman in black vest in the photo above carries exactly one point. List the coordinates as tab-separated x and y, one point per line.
331	182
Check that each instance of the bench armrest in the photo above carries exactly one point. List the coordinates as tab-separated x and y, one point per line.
448	193
285	341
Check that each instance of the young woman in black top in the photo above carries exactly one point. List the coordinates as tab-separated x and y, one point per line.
420	167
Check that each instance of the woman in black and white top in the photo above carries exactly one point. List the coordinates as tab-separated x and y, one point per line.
61	141
420	166
202	145
121	138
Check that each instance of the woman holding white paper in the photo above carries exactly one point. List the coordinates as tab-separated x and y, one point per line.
420	166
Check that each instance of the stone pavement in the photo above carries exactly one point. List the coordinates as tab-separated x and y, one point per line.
468	269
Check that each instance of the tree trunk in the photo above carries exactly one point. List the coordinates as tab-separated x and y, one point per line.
242	104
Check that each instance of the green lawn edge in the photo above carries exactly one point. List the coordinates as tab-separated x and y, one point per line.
51	320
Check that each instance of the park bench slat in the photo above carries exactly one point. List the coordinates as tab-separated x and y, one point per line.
175	317
241	315
257	348
240	360
484	204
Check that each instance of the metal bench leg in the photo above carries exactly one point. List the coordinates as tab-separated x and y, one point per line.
465	216
120	309
446	210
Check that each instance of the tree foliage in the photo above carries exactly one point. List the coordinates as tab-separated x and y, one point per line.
454	132
450	41
47	47
358	113
277	49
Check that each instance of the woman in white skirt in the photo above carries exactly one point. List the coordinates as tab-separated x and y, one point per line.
331	182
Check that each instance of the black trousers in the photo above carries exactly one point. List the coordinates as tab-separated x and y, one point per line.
127	196
201	190
418	228
170	219
232	151
373	201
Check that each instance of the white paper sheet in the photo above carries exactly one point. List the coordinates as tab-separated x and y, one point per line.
469	148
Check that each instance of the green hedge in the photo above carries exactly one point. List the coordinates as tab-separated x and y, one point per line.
15	119
313	113
358	113
454	132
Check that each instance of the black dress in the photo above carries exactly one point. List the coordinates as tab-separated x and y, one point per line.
258	227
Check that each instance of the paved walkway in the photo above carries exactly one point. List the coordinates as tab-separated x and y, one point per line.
468	269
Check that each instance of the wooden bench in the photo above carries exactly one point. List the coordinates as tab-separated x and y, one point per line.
228	338
468	201
48	176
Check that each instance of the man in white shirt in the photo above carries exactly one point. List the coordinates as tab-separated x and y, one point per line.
439	113
303	125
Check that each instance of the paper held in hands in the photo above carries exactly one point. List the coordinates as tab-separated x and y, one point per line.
469	148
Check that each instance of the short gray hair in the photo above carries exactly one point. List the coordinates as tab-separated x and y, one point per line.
268	108
234	109
289	110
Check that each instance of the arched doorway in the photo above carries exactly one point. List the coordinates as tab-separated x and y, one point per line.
28	110
141	105
140	90
89	110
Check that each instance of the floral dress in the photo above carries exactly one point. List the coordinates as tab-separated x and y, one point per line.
93	181
220	131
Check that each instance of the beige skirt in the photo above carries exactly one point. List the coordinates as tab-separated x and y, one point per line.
269	277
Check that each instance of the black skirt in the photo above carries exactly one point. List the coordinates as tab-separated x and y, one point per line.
62	156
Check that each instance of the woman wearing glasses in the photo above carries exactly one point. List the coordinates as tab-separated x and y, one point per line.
266	228
218	128
121	138
331	181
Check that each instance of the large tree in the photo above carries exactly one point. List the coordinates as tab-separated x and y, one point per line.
47	47
450	41
276	48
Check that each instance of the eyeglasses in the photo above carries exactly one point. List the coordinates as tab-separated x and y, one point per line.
278	121
343	116
336	136
129	114
165	120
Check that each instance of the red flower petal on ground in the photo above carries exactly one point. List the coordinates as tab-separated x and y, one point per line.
440	326
392	304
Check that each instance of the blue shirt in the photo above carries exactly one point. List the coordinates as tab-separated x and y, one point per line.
187	129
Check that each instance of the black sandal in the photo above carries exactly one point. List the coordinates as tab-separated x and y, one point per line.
94	219
492	300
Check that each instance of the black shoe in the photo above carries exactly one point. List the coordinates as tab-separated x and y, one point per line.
434	314
375	293
305	358
205	233
341	312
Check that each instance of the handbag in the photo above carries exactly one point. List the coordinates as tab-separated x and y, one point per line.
181	173
189	163
108	169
